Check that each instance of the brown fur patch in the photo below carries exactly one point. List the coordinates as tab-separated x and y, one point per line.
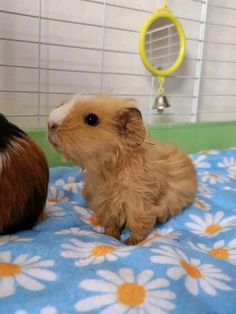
23	186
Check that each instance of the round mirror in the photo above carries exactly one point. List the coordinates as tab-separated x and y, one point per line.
162	43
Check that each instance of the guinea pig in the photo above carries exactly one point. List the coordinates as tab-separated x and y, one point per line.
23	179
130	180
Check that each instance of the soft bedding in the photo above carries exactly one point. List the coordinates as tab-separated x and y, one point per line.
67	265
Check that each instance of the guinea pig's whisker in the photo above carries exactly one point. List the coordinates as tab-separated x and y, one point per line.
65	129
149	143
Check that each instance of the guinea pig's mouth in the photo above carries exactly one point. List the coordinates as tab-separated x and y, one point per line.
55	145
52	141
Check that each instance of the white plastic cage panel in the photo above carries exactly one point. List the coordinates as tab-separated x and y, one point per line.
50	49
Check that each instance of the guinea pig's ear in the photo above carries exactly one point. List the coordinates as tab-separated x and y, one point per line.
130	126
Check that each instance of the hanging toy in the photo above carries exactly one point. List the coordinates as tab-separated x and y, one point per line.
162	47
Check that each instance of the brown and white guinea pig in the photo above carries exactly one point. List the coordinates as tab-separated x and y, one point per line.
130	180
23	179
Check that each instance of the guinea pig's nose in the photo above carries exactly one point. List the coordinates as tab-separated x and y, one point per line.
52	126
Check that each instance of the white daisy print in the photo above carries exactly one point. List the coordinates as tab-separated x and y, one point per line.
219	250
56	196
211	225
123	292
23	271
201	204
48	310
228	163
165	235
210	152
75	231
205	190
213	178
44	310
94	253
229	188
88	217
53	211
70	185
13	238
232	175
200	162
198	276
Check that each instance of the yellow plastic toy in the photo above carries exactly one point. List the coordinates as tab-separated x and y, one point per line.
162	46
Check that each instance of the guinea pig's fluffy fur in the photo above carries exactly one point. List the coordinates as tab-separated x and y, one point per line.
23	179
130	180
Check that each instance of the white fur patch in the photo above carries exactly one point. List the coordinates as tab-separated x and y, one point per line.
14	146
17	144
59	114
4	158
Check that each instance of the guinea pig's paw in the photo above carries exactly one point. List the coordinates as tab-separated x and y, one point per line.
133	240
113	233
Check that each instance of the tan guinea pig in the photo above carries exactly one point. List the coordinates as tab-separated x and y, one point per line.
23	179
130	181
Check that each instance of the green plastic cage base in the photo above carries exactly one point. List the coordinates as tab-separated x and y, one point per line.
192	137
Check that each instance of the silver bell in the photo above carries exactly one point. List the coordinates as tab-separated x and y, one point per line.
161	103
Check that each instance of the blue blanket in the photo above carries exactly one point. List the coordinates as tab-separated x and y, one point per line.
67	265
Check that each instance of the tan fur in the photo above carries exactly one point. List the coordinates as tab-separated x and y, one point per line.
130	181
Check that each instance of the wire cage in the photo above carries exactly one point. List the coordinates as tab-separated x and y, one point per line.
50	49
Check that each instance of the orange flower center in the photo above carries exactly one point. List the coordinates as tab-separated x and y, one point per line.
131	294
214	176
191	270
101	250
211	229
200	204
156	235
219	253
53	200
8	270
204	152
94	221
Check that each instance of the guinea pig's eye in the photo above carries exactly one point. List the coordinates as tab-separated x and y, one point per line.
91	119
